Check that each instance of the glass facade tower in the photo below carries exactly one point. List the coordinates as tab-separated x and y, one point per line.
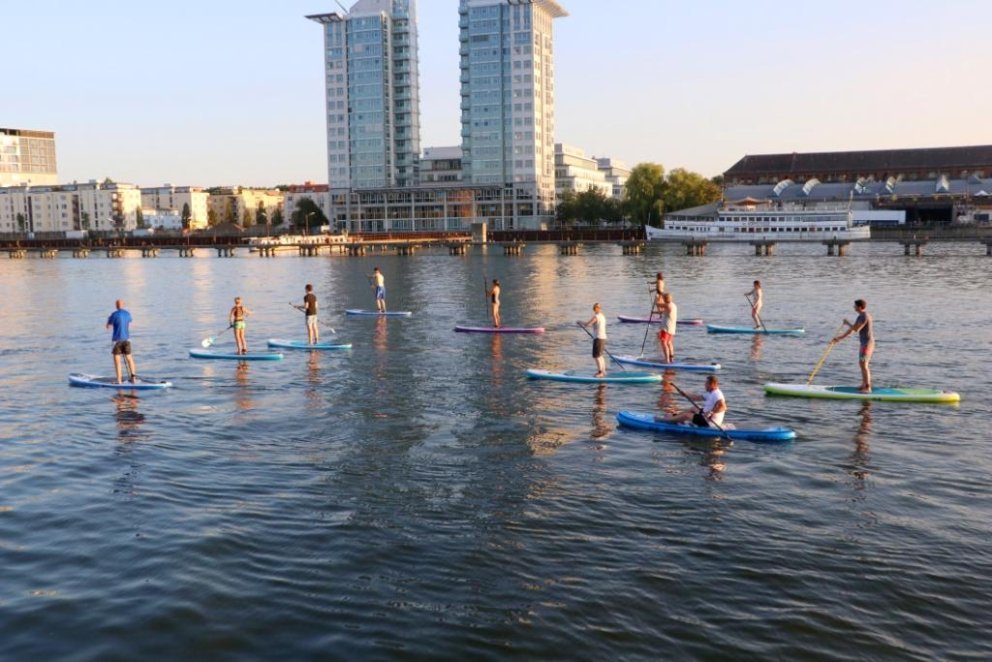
372	95
507	98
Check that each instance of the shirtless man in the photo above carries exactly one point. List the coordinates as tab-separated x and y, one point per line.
864	326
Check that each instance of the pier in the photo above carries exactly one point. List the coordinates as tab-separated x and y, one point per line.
836	245
764	247
695	247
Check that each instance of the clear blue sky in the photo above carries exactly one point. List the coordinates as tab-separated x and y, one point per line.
230	92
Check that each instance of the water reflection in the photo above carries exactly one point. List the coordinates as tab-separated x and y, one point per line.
128	418
312	392
600	426
666	397
242	394
713	458
756	344
861	457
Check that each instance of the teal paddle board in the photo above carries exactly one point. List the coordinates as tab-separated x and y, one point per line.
198	353
659	364
140	384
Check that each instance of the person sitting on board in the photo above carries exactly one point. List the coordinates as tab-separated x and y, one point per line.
310	308
494	302
120	321
864	325
599	339
712	411
669	319
237	319
379	285
756	302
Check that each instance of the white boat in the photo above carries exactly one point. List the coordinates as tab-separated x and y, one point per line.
752	220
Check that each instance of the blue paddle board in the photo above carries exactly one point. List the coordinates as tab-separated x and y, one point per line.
588	378
656	319
280	343
92	381
198	353
716	328
647	422
376	313
659	364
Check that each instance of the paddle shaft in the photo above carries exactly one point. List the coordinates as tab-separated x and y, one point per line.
699	408
485	293
207	342
823	358
760	321
604	349
650	315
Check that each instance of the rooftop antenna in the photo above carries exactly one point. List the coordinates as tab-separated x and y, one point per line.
341	6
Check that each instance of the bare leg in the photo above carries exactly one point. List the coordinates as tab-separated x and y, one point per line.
131	368
117	367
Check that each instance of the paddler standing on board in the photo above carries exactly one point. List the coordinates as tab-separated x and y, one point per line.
120	322
599	338
309	308
756	303
669	319
237	319
379	285
493	295
863	325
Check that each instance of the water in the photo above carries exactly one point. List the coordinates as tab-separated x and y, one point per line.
417	497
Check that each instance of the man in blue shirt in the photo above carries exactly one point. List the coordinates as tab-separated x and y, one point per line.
120	320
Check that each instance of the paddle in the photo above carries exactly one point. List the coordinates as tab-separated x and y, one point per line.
826	352
604	349
303	309
485	294
760	321
207	342
650	315
697	406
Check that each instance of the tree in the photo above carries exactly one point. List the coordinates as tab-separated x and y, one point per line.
21	222
565	210
139	217
211	218
186	215
261	217
246	219
684	189
644	190
84	221
230	213
277	218
308	213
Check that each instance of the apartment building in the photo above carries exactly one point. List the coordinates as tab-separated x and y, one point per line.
101	206
27	158
165	199
241	205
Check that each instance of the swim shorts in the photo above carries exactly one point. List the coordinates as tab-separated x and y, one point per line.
121	347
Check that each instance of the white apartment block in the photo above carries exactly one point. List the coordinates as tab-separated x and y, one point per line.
507	91
103	207
441	165
167	198
27	158
576	172
241	205
372	88
616	173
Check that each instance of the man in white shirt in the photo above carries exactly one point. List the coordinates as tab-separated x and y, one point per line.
669	318
598	339
710	413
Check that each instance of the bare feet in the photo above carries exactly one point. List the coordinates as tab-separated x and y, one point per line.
600	374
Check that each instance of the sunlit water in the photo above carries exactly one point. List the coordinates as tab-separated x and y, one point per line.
417	497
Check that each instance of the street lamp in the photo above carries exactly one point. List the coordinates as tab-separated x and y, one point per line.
306	223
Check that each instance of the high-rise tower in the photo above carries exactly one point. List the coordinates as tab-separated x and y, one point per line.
507	91
373	95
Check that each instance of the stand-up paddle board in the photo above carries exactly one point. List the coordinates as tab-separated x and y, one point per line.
80	379
280	343
502	329
588	378
647	422
376	313
629	319
660	364
716	328
198	353
927	395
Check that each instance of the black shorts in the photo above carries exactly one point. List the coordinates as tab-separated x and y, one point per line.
598	347
122	347
700	421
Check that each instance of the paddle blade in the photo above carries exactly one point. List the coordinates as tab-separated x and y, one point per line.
207	342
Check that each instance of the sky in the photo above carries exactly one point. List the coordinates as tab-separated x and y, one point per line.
225	92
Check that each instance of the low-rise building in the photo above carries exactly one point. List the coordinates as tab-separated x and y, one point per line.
101	206
616	173
167	197
241	205
441	165
318	193
27	158
576	172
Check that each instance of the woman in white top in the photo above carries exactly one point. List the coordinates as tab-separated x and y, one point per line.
669	318
599	339
756	299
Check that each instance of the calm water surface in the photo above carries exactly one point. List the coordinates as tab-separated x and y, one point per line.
417	497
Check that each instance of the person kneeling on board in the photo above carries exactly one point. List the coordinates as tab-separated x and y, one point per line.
709	414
